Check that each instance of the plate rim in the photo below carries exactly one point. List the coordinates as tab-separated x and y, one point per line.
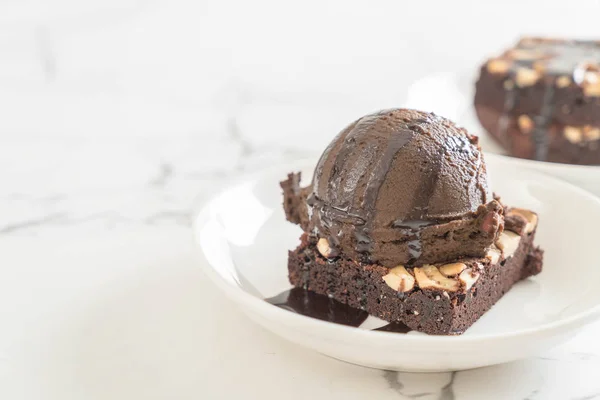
342	332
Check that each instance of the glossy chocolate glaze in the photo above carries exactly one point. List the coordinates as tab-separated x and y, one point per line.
311	304
413	230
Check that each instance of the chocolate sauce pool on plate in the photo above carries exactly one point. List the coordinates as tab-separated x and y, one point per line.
311	304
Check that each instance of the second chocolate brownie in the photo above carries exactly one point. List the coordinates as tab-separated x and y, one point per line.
448	306
550	90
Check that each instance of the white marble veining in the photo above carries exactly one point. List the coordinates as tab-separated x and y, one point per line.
118	116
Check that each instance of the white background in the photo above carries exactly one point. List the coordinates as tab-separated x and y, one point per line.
116	116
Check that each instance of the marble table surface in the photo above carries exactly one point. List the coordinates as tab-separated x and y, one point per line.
118	117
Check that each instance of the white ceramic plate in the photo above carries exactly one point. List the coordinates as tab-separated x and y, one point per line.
243	240
454	100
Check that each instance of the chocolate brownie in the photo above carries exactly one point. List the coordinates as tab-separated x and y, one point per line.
442	299
541	100
399	221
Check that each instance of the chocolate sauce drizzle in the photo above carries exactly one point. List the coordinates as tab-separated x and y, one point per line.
542	121
509	104
340	210
413	230
325	308
395	142
416	220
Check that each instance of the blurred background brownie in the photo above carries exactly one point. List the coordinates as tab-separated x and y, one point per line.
541	100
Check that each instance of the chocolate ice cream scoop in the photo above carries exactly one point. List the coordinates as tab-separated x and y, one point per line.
399	187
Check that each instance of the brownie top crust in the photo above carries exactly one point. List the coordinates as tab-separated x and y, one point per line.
575	61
